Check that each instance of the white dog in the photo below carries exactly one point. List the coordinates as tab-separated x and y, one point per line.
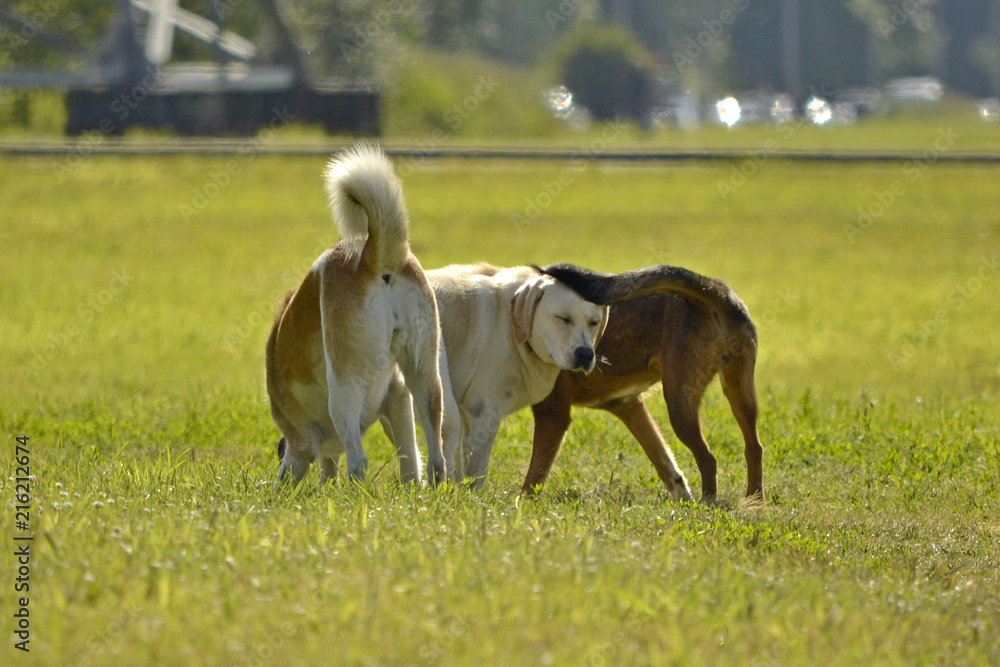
506	335
364	307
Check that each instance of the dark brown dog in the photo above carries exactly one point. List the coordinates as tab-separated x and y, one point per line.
672	326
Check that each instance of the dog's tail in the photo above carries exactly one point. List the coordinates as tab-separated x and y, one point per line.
609	289
366	198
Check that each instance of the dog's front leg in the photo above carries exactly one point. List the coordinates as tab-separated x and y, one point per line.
451	422
480	436
636	417
451	436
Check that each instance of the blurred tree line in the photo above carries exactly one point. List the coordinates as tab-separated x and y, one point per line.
701	45
791	45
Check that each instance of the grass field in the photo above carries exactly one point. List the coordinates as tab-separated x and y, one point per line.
136	297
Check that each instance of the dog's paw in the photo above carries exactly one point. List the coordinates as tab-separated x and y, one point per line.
436	473
753	500
282	474
682	493
356	469
679	489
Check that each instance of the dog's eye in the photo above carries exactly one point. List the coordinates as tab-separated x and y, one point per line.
564	319
593	323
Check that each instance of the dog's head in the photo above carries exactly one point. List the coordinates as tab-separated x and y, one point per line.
557	323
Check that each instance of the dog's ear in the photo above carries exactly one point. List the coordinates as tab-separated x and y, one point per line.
522	306
604	325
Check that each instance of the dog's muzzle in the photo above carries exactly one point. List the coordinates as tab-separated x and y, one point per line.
583	358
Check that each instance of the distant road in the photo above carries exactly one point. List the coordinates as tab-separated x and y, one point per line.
215	147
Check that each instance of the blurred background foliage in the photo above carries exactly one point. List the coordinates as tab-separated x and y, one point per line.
426	55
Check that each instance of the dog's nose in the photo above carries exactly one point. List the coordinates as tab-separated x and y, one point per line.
583	357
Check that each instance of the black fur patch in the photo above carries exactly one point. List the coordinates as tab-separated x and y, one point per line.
608	289
590	285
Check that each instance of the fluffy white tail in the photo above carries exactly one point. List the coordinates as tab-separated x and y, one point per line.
366	198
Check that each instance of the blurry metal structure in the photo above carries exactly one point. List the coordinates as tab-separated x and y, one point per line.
128	80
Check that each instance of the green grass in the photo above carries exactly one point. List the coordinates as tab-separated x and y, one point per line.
160	541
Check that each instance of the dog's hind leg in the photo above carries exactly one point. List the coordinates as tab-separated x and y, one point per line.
639	422
429	402
420	368
397	422
738	386
684	381
329	469
344	404
349	430
290	463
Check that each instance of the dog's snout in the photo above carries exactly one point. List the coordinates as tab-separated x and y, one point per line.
583	357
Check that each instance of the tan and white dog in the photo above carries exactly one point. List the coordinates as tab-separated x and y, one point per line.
507	333
363	321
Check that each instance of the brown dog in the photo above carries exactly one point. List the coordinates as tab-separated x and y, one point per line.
670	325
363	322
